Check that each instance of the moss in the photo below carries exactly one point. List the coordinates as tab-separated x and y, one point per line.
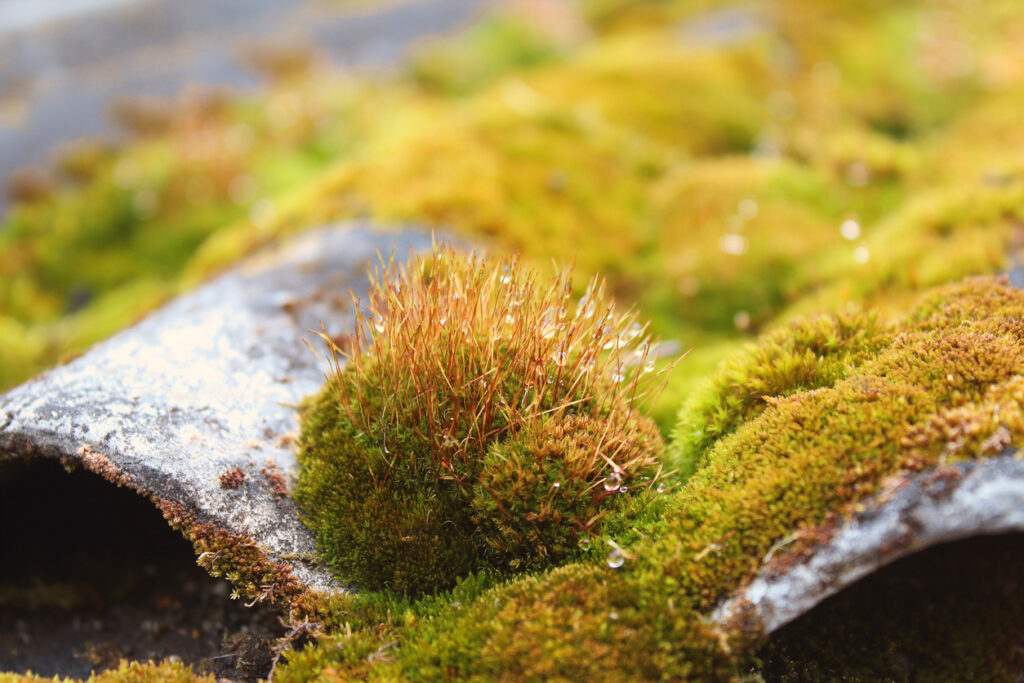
237	558
784	467
498	44
806	355
480	429
126	672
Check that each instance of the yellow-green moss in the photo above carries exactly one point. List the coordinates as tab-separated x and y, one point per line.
803	456
488	425
126	672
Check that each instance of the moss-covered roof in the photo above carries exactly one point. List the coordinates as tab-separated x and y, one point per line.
822	175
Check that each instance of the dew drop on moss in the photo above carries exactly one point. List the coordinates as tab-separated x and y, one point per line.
613	482
615	559
584	544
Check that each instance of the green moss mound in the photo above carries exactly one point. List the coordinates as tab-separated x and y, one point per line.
486	426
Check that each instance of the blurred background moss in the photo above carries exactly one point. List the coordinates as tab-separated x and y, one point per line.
726	165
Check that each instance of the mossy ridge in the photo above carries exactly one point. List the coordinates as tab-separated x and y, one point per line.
479	428
805	355
800	458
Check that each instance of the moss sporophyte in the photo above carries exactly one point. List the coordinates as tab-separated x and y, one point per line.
477	419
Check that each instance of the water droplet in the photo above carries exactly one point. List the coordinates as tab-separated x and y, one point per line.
561	312
861	255
649	366
551	379
506	275
615	559
858	174
623	489
509	319
634	330
585	308
483	383
609	345
747	209
456	604
557	485
442	321
584	544
618	377
613	481
850	229
379	326
560	358
733	243
741	320
614	616
661	487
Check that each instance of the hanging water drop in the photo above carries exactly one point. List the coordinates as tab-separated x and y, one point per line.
615	559
649	366
661	487
613	482
584	544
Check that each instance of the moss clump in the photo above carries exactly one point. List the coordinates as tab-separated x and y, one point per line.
481	428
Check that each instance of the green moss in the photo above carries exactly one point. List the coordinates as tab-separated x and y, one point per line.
237	558
783	467
498	44
806	355
480	430
126	672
